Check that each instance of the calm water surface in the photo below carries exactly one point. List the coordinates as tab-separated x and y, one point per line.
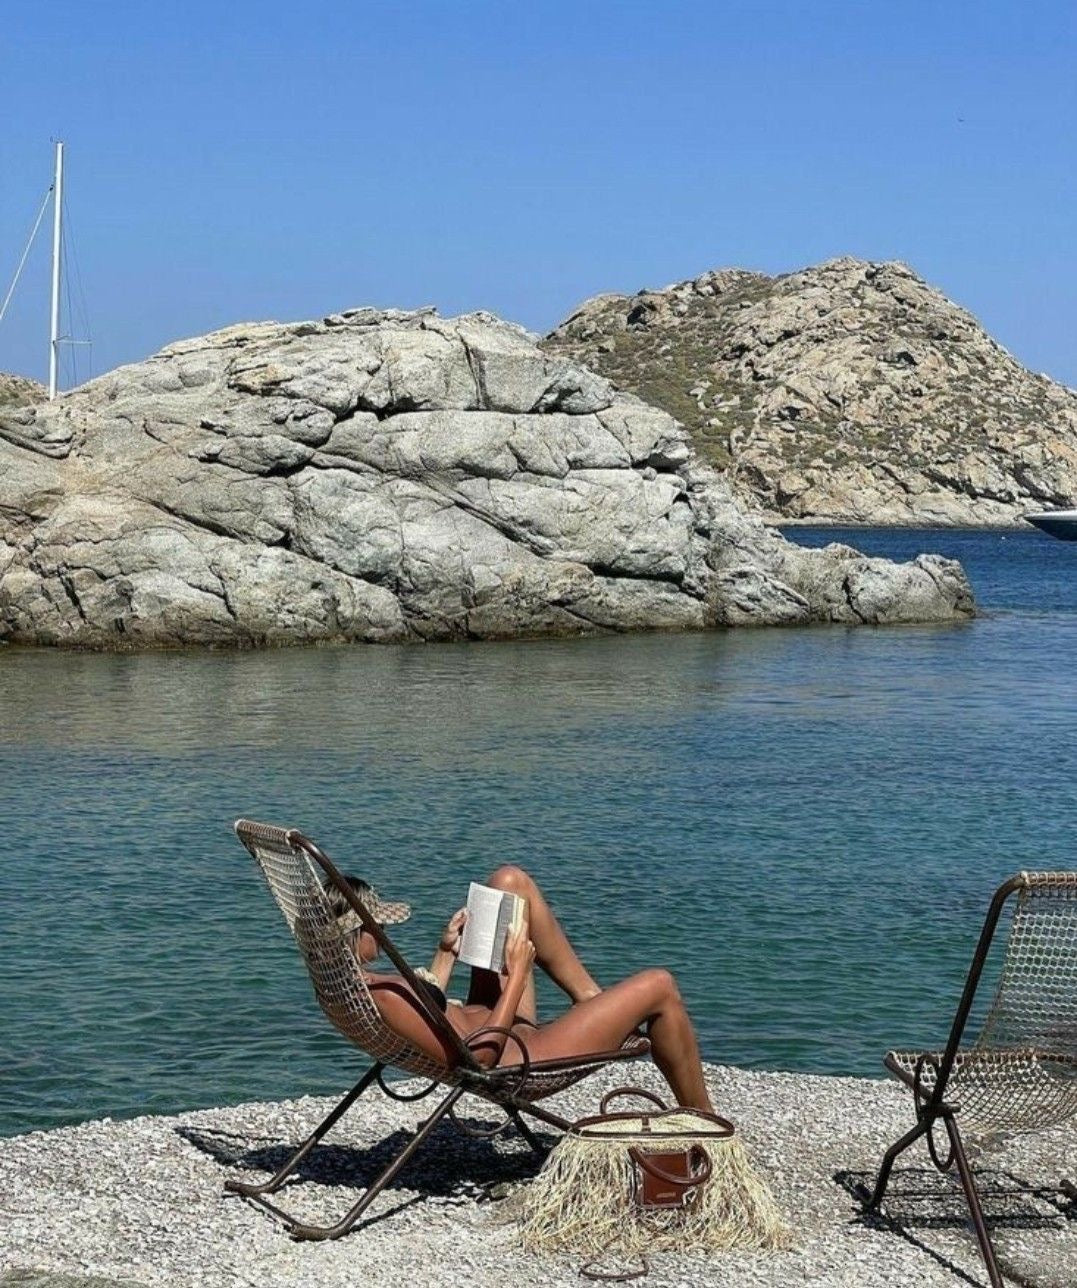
805	825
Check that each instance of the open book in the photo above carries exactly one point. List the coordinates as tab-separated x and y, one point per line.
491	916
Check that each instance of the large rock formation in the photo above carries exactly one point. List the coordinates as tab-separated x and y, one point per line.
392	476
847	393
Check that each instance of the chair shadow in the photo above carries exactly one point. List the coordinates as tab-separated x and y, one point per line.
449	1165
922	1199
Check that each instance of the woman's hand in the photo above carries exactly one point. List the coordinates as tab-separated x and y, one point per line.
519	953
453	933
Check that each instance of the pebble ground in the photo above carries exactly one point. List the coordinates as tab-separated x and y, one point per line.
141	1202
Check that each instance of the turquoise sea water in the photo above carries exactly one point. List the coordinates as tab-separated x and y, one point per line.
805	825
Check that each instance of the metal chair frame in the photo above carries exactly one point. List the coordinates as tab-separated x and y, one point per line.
932	1075
512	1088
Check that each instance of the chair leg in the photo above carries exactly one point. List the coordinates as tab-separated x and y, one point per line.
301	1231
972	1197
871	1201
537	1146
532	1110
251	1190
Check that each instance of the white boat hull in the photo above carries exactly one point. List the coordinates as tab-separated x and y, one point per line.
1058	523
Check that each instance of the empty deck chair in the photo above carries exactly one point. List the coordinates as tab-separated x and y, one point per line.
301	879
1019	1073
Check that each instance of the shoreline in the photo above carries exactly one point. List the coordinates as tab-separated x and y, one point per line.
141	1200
912	526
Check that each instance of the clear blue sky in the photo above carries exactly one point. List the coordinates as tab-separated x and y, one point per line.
231	161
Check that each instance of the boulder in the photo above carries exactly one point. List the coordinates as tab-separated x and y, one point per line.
392	476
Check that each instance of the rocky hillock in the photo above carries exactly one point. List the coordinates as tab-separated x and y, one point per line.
20	391
850	392
392	476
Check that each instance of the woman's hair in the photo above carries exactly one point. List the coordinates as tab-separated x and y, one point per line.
338	905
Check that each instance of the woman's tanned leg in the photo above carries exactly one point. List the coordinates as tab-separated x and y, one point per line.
599	1020
553	951
603	1022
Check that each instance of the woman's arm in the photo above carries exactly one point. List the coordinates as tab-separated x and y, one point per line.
519	959
448	949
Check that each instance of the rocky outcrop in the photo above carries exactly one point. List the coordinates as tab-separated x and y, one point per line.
20	391
847	393
392	476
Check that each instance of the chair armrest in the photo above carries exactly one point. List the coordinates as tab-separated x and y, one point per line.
968	995
630	1051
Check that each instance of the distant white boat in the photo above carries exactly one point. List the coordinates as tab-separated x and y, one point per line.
1058	523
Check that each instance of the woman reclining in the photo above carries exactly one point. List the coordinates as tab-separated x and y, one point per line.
597	1019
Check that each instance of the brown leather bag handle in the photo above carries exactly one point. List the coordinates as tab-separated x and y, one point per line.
698	1156
603	1107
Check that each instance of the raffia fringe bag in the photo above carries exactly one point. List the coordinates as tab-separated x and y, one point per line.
676	1180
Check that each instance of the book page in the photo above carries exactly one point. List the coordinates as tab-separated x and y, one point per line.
480	929
491	914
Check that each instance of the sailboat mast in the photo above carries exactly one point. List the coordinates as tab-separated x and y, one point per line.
57	235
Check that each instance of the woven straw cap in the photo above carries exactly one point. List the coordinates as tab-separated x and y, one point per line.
384	912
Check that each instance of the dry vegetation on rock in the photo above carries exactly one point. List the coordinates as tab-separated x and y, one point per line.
848	392
20	391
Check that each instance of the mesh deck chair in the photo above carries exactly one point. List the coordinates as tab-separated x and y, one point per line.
1019	1073
301	879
